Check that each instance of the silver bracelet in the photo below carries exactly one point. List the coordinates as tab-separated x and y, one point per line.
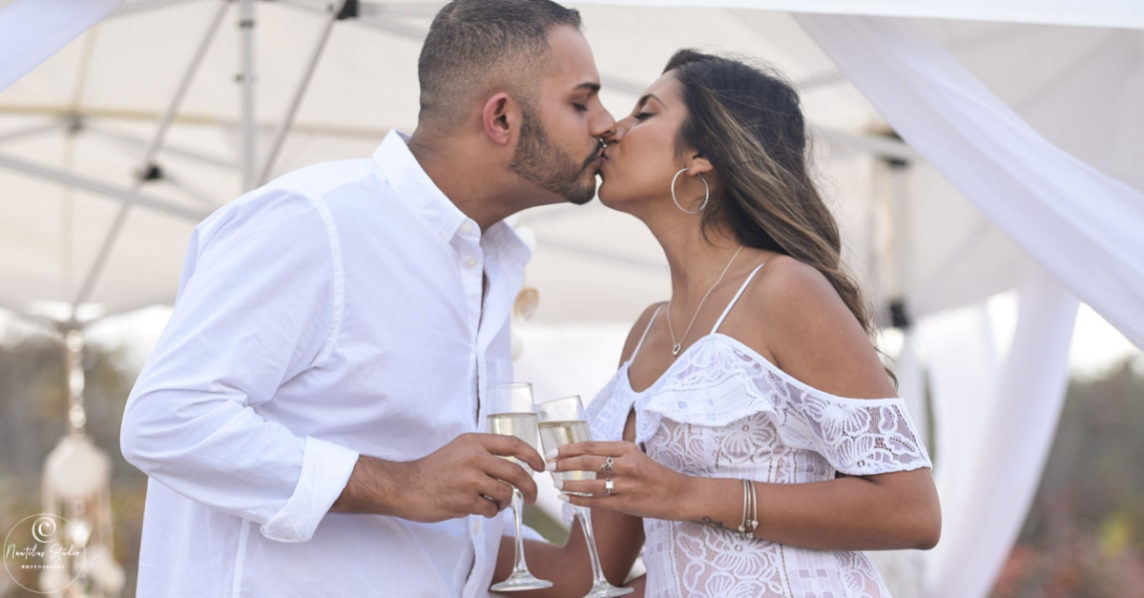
750	504
746	505
753	523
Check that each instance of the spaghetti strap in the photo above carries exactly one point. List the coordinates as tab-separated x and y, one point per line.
645	331
734	299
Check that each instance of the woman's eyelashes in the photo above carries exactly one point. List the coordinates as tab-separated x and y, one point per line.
643	115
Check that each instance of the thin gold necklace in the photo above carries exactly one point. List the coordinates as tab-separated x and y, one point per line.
677	346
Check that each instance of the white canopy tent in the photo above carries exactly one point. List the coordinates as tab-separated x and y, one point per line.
1022	173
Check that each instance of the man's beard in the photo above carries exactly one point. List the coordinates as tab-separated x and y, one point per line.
539	162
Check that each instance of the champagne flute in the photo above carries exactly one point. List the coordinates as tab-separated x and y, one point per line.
563	421
511	413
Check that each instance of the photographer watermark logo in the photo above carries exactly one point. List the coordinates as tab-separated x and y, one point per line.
40	556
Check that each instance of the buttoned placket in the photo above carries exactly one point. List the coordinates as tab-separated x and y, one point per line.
475	254
470	258
466	243
498	296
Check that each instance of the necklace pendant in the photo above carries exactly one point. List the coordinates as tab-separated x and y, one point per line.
676	348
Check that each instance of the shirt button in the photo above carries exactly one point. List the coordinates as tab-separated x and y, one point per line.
477	526
471	263
467	227
442	235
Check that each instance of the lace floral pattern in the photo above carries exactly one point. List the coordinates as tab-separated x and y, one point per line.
722	410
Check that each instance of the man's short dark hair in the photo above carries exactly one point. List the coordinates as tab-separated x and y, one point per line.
474	45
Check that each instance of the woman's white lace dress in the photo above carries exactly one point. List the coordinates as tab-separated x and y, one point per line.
721	410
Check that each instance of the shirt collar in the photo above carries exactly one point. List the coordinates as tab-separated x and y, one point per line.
405	174
415	187
502	239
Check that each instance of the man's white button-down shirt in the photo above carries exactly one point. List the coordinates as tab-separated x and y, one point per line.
336	311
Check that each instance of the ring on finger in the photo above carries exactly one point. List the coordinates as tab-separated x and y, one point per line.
609	486
607	467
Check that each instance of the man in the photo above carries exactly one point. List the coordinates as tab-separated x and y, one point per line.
307	418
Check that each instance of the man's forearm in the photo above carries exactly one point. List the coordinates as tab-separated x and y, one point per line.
372	487
467	476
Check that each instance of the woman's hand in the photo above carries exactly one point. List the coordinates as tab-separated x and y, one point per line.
641	487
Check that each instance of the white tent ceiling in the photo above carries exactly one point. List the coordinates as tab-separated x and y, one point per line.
87	116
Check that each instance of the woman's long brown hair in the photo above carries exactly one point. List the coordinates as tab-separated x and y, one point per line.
747	122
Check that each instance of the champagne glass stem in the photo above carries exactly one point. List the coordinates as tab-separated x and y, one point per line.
585	518
518	566
600	586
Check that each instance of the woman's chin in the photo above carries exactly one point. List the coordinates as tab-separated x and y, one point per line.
605	197
612	196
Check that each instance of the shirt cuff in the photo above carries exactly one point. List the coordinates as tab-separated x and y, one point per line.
326	467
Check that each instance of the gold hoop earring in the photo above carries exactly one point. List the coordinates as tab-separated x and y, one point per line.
706	193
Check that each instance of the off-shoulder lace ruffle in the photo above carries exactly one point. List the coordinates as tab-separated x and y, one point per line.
722	410
723	380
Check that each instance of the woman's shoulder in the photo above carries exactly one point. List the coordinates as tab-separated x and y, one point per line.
784	297
785	282
795	317
788	295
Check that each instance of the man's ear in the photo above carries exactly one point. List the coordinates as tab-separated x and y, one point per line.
698	164
500	118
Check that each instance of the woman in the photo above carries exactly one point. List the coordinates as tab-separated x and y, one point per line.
748	426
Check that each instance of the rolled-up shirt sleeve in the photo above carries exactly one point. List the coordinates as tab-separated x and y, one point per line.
259	303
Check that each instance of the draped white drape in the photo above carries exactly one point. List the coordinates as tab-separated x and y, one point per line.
996	413
1080	225
33	30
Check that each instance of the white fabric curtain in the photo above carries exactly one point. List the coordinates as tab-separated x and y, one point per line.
1080	225
996	414
33	30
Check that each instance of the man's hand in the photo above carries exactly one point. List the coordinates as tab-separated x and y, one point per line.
465	477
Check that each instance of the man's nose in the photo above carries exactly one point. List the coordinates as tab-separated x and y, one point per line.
603	126
615	133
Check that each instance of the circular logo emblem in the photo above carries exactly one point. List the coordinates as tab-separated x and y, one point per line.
44	529
39	555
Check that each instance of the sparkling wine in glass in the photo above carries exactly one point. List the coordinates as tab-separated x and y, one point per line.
511	413
563	421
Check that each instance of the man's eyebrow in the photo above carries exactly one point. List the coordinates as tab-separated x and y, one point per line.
590	86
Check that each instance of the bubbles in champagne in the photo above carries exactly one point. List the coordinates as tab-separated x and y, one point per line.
521	425
559	433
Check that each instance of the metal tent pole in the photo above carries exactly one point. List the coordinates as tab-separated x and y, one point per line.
132	144
197	119
185	84
381	15
31	131
148	161
333	15
128	196
247	79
